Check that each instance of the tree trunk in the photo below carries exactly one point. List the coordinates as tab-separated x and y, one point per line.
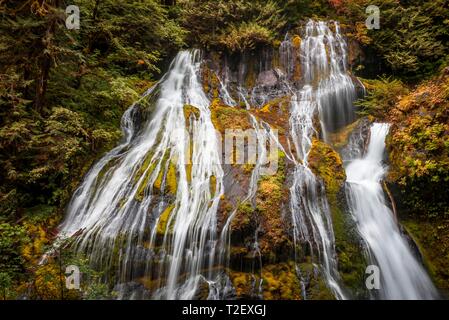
95	12
41	86
45	63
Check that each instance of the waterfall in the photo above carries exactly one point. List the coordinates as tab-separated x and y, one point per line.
148	208
146	213
327	94
402	276
324	59
308	204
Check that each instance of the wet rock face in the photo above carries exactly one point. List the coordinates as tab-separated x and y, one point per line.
326	163
267	78
356	140
261	231
243	80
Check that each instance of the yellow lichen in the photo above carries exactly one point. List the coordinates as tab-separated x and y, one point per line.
143	185
296	41
213	185
171	179
189	172
163	220
190	110
326	163
265	108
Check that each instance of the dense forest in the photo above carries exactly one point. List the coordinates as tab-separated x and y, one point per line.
63	93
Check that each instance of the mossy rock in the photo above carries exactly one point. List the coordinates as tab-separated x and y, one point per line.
341	138
271	196
210	82
191	111
242	221
171	179
314	282
432	238
169	176
276	112
280	282
147	168
352	261
162	226
212	185
225	117
242	283
326	163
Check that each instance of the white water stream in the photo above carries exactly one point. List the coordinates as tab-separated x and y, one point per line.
402	276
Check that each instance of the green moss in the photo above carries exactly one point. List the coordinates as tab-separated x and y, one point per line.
280	282
144	166
224	117
315	286
327	164
189	172
149	167
169	176
271	195
243	217
432	237
318	290
350	253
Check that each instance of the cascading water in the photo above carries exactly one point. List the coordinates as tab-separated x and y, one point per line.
147	208
310	211
328	93
402	276
258	154
324	59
